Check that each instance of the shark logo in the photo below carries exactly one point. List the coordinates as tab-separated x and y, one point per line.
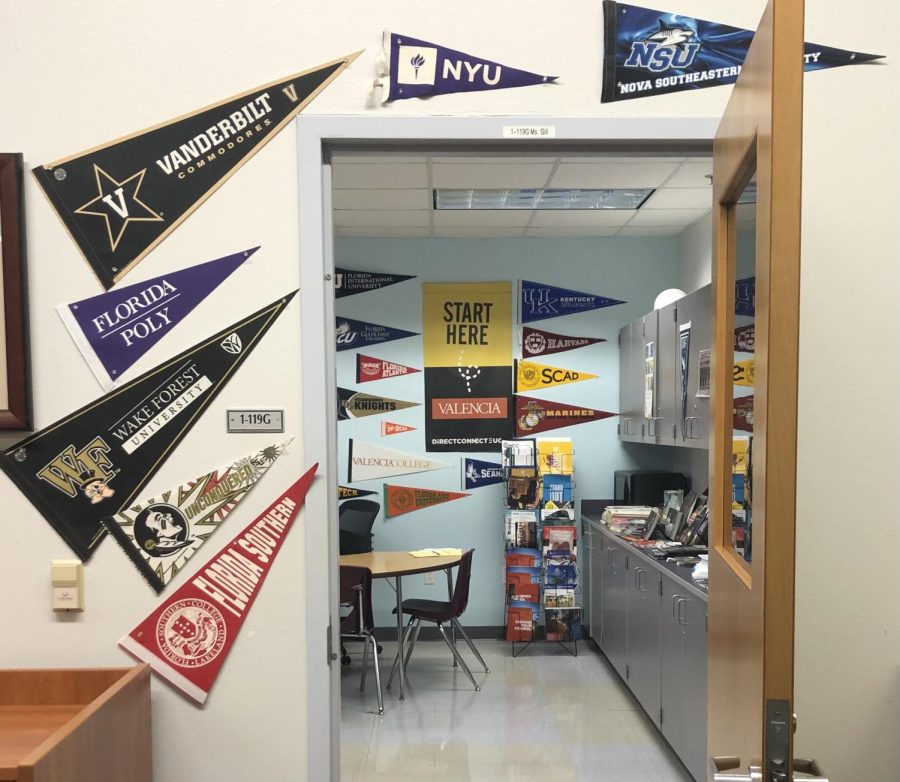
669	46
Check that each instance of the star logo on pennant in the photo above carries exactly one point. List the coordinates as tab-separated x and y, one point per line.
118	204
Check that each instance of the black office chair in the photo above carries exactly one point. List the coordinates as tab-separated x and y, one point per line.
355	521
359	622
439	612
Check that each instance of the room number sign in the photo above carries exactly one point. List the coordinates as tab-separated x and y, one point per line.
239	421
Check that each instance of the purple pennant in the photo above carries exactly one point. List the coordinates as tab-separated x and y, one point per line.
114	329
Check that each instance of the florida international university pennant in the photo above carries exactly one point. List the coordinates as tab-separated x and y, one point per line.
651	52
419	68
539	415
161	534
405	499
539	302
121	199
187	638
348	282
114	329
536	342
355	404
93	463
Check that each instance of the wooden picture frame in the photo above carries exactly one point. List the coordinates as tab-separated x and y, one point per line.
15	390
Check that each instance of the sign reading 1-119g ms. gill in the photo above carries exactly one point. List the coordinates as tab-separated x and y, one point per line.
467	336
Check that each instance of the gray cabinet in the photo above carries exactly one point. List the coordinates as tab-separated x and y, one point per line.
644	637
630	401
667	376
594	544
614	605
692	429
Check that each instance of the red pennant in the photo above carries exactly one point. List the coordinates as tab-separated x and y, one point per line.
539	415
743	413
388	428
405	499
370	368
187	638
536	342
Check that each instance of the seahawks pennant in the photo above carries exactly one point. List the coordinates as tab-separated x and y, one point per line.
348	282
536	342
351	493
121	199
161	534
350	334
355	404
94	462
539	302
476	473
651	52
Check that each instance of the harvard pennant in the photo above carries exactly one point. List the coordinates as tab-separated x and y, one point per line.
369	368
745	338
531	376
406	499
350	334
539	343
539	415
539	302
348	282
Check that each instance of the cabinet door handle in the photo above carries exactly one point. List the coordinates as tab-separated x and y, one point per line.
681	619
675	601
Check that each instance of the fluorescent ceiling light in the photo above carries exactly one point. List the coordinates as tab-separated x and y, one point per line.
622	198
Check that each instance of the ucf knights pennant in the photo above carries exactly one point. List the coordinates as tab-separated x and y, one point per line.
121	199
93	463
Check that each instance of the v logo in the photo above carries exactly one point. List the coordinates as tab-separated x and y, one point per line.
119	208
291	92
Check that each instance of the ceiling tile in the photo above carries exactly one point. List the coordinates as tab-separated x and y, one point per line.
382	199
481	232
356	217
585	218
692	174
648	230
446	218
658	217
573	232
490	175
680	198
382	231
611	175
379	176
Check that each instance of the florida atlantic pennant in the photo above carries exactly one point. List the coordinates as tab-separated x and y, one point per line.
93	463
121	199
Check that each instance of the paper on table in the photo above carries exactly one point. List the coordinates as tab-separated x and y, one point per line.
437	552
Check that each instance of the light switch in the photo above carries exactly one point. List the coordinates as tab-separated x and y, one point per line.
67	579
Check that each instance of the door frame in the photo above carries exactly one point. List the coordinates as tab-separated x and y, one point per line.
317	136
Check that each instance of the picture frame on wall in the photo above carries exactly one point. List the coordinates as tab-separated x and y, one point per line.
15	391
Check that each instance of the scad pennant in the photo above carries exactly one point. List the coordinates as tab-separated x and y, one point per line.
531	376
187	638
121	199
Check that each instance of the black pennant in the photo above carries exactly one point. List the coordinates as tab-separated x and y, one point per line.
94	462
121	199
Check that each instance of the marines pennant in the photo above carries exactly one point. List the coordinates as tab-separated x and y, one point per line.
539	302
366	462
539	415
94	462
187	638
113	330
406	499
419	68
742	413
348	282
476	473
350	493
350	334
649	52
531	376
369	368
540	343
161	534
355	404
388	428
121	199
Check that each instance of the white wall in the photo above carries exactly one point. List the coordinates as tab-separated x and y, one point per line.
695	255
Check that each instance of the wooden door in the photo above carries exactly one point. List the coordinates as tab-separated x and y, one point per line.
751	585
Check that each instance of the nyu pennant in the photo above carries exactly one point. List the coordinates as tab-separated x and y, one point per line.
348	282
419	68
369	368
406	499
536	342
161	534
531	376
354	404
114	329
366	462
93	463
350	334
476	473
539	302
121	199
539	415
651	52
187	638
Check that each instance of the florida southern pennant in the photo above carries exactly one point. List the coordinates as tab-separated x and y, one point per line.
369	368
94	462
161	534
350	334
121	199
538	301
406	499
366	462
348	282
187	638
531	376
355	404
536	342
651	52
540	415
114	329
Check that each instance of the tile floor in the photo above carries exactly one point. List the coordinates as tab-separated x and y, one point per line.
542	716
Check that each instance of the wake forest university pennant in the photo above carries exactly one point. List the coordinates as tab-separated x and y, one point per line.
93	463
161	534
187	638
121	199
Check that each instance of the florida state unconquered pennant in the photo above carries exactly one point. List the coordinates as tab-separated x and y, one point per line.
94	462
187	638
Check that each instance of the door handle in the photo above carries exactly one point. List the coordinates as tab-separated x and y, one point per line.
728	769
680	615
675	601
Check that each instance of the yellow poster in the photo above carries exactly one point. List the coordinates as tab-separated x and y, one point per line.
531	376
744	371
554	455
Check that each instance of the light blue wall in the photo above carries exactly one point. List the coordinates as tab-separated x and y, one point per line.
631	269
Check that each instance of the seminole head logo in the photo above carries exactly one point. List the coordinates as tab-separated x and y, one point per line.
669	46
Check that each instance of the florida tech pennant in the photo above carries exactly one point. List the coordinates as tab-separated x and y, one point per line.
161	534
531	376
188	637
355	404
370	368
349	493
121	199
539	415
93	463
348	283
405	499
540	343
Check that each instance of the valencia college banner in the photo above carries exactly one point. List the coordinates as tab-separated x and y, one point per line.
467	335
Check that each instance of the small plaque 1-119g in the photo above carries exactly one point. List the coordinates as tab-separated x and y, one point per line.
255	421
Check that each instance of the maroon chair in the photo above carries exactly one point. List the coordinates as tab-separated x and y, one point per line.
359	622
441	612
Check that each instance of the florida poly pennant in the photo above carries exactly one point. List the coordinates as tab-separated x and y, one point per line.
369	368
121	199
531	376
406	499
187	638
161	534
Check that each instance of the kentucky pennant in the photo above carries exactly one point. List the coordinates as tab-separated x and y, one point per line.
366	461
354	404
745	297
161	534
405	499
388	428
744	372
745	339
539	415
93	463
369	368
651	52
349	493
477	473
540	343
742	409
347	282
121	199
531	376
539	301
350	334
114	329
187	638
419	68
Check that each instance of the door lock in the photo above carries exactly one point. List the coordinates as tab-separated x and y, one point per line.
728	769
